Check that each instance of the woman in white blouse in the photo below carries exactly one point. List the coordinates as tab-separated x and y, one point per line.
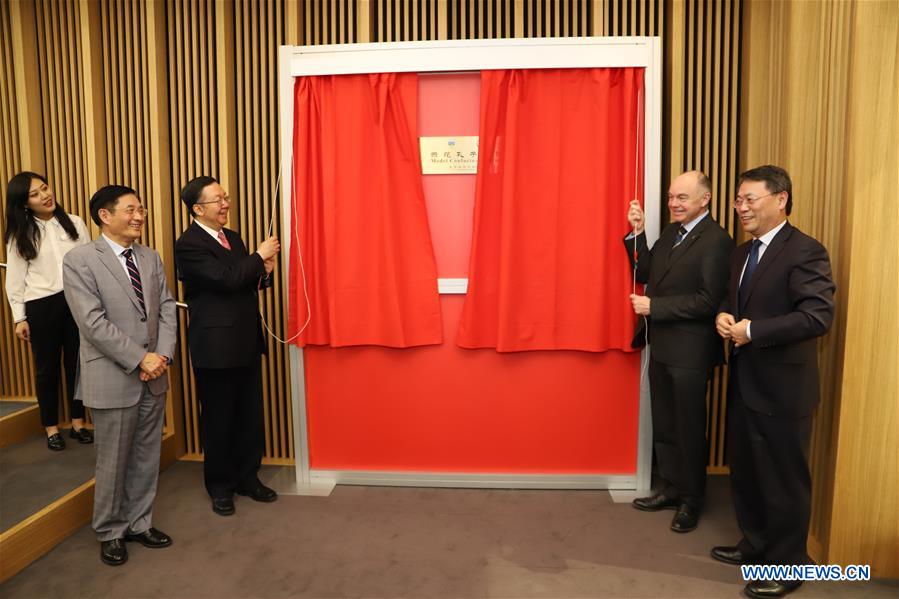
38	234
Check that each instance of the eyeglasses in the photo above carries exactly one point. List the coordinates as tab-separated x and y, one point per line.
740	200
220	200
131	211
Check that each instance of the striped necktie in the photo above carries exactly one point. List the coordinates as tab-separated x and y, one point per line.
134	274
681	233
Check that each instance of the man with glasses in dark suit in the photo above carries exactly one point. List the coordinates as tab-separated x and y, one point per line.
221	283
779	302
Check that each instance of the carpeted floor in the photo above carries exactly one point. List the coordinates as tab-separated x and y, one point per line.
404	542
32	476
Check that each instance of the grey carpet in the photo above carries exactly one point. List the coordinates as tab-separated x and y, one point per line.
405	542
11	407
32	476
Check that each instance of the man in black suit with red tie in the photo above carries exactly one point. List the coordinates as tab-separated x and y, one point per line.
780	301
686	276
221	282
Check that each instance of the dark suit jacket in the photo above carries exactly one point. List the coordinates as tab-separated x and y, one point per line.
790	304
686	284
220	288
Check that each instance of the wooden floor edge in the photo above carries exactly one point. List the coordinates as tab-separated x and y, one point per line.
168	451
266	461
42	531
20	425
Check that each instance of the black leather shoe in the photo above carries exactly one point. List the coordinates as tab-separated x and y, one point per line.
113	552
686	518
657	502
733	555
152	538
259	493
762	589
223	506
84	435
56	442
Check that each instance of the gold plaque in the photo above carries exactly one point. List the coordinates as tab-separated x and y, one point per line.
449	155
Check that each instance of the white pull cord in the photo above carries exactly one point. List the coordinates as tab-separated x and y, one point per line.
645	363
296	240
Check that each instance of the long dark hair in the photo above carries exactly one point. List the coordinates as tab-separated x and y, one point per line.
20	222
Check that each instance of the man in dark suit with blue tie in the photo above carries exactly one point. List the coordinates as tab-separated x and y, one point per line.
686	276
221	282
780	301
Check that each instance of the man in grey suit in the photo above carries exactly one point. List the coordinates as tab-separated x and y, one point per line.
117	291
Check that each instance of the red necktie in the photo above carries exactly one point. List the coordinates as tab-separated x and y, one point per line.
223	240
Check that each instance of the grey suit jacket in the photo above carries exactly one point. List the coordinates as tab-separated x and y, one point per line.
115	335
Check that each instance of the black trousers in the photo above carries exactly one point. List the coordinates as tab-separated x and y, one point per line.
53	334
770	480
232	426
678	429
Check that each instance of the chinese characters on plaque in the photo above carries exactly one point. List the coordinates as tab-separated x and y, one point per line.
449	155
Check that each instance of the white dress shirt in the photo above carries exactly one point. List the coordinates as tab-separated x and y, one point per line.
766	241
119	250
28	280
211	231
690	225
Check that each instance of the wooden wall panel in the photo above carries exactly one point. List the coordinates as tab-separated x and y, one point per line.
224	119
334	22
123	132
702	100
16	379
773	70
822	103
259	30
864	521
63	140
193	110
62	101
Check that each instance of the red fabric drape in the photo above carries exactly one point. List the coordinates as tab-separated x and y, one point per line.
361	241
558	153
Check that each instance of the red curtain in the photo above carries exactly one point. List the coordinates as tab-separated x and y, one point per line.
361	248
558	154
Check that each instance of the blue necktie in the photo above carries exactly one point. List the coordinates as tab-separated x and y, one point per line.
681	233
751	264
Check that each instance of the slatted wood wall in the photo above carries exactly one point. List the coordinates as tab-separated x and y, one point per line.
168	91
703	92
17	380
260	30
193	109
